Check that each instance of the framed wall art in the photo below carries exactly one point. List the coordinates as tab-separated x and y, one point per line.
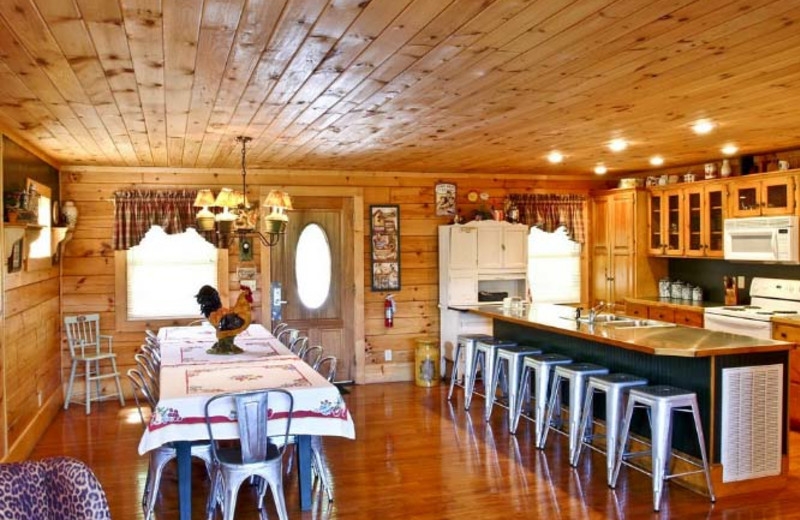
445	199
385	239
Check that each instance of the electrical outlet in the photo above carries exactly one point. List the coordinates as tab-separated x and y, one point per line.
387	355
39	397
740	282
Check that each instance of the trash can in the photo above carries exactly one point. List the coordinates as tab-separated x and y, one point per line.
426	362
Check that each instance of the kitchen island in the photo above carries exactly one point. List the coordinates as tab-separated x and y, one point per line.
741	384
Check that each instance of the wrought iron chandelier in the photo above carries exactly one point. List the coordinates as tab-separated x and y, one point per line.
238	218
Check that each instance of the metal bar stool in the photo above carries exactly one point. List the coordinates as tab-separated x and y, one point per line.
465	345
576	375
540	367
661	401
615	387
509	361
486	356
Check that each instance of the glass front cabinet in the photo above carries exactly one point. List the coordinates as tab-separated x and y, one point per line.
665	222
703	221
774	196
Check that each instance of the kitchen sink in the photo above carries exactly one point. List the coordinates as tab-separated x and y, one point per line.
606	319
639	324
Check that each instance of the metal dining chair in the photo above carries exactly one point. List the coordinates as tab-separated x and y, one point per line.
287	336
144	397
299	346
149	371
279	327
312	355
254	455
84	339
153	352
326	367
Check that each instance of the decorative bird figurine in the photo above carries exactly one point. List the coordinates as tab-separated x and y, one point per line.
227	322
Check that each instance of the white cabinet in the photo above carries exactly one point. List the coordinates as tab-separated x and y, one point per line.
464	242
490	247
477	253
502	247
462	287
515	248
480	256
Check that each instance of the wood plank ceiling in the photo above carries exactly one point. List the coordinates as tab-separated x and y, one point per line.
414	85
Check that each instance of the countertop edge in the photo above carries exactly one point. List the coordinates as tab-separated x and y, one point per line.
781	346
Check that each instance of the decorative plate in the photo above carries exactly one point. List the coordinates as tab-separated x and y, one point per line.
56	213
472	196
484	196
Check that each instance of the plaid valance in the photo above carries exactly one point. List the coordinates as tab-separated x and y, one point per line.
135	211
551	211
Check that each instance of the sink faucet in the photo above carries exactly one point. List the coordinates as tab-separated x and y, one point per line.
594	311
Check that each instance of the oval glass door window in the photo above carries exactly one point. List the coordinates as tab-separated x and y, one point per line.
312	266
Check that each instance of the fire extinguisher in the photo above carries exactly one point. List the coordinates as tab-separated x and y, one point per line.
389	308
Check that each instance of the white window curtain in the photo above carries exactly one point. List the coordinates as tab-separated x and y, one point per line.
166	271
554	267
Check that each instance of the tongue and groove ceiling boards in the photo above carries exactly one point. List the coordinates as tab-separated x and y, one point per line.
402	85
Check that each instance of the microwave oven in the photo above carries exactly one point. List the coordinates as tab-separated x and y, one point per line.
762	239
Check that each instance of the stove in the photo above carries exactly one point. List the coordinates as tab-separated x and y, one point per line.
769	297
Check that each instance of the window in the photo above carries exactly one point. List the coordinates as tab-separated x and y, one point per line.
312	266
554	267
164	272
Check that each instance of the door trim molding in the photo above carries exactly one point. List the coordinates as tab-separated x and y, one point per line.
354	293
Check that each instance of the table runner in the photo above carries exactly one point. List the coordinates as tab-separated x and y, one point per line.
186	386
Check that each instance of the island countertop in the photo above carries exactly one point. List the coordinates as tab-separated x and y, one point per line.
659	341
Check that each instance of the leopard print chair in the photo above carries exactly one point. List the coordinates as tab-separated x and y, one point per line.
58	488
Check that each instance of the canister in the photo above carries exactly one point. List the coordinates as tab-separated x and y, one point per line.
686	292
426	362
676	290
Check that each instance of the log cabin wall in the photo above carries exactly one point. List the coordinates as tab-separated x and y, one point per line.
88	266
31	365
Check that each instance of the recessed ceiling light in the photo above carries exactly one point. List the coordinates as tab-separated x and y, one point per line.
730	149
702	126
600	169
617	145
555	157
656	160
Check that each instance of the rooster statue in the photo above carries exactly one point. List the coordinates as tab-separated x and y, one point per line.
228	322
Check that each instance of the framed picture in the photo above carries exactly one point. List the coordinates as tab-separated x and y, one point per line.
445	200
15	260
385	242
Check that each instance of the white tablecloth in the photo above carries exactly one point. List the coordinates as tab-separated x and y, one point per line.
189	377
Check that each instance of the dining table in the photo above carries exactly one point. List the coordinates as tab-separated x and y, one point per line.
190	376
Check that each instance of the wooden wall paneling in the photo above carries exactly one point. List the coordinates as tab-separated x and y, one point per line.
3	411
30	363
88	270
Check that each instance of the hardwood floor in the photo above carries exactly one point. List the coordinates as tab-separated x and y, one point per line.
416	456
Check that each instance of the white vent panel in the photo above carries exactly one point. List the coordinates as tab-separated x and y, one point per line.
752	431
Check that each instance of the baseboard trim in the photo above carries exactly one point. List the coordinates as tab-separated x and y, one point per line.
21	449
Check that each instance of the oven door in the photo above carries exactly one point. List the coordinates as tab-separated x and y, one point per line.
751	244
742	326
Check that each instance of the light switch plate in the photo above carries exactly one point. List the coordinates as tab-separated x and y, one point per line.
740	282
387	355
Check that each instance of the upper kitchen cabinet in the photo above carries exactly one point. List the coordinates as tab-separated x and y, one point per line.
665	222
502	246
621	267
705	213
464	241
767	196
